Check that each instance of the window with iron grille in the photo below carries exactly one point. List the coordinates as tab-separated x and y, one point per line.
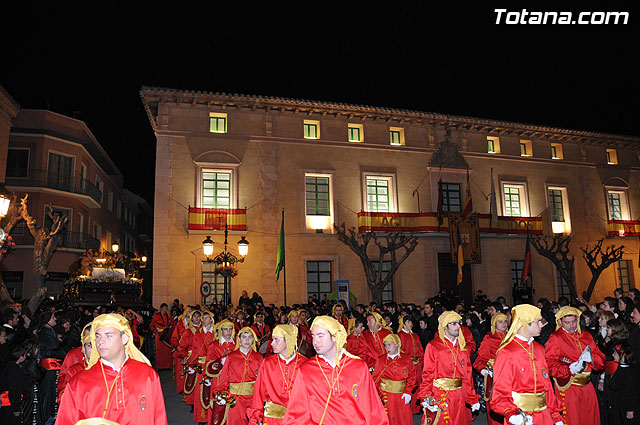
555	205
387	291
615	206
317	195
512	200
319	278
624	276
451	197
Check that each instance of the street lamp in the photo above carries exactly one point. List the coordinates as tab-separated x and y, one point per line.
5	200
225	258
115	247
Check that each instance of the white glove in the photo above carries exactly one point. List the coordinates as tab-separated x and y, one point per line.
528	420
220	401
516	419
224	359
475	407
406	397
586	355
191	370
559	423
576	367
431	408
207	382
484	372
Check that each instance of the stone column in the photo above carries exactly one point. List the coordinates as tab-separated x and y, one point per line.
270	218
162	221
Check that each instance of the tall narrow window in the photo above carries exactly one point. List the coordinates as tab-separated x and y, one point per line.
319	278
559	209
625	276
378	195
517	266
612	157
451	197
17	162
563	286
60	172
555	205
615	205
317	195
216	189
217	122
387	291
216	281
556	151
311	129
512	201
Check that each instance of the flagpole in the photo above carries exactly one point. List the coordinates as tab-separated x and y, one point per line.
284	267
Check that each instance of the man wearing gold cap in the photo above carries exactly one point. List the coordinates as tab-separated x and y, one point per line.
304	337
334	387
395	376
373	336
571	355
522	391
119	384
181	339
275	378
446	378
239	374
487	357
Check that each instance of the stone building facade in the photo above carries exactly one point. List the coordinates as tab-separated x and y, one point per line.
326	163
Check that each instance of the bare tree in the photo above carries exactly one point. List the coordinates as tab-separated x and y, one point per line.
358	242
556	249
45	242
14	215
598	260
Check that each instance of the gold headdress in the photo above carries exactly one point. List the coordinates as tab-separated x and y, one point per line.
446	318
120	323
335	328
224	324
568	311
290	335
247	330
394	339
496	318
521	315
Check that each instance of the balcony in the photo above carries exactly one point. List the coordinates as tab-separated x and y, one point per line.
71	240
623	228
34	180
216	218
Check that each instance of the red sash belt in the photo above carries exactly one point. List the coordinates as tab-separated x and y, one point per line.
4	399
610	367
51	364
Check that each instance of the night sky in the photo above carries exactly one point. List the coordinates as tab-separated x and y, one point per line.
412	55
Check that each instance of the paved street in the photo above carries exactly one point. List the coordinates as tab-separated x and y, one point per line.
178	412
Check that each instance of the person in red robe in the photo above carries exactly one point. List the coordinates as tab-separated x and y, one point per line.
487	357
522	391
468	337
262	331
135	319
119	384
217	352
571	366
355	340
181	339
373	337
334	387
446	378
74	367
161	321
275	378
195	366
304	336
412	346
239	375
337	312
395	376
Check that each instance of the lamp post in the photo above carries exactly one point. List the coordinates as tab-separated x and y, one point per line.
5	200
225	258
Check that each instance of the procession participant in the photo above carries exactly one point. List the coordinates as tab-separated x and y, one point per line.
522	391
275	378
395	376
238	376
413	348
135	319
262	331
337	313
304	317
487	357
76	368
181	339
334	387
355	340
446	377
217	353
240	321
468	338
195	364
304	337
570	364
161	323
51	355
373	337
119	384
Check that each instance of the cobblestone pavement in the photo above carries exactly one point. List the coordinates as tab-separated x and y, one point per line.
178	413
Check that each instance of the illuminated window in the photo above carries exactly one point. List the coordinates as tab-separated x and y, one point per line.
525	148
556	151
612	157
514	199
355	132
216	189
380	193
311	129
618	206
396	136
559	209
318	207
493	144
217	122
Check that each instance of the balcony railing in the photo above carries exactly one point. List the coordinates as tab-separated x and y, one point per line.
428	222
216	218
65	183
623	228
73	240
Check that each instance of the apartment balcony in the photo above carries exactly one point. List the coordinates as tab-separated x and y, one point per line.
34	180
217	218
70	240
623	228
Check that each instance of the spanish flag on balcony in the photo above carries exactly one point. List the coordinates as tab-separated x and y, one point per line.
216	218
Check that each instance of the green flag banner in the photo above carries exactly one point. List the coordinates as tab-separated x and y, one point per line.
280	257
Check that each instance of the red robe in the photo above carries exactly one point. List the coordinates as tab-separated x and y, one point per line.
344	321
468	339
353	399
579	402
136	397
442	359
163	353
180	334
133	325
274	383
400	368
304	335
200	344
239	368
374	347
514	371
412	346
488	348
74	356
355	345
263	332
70	373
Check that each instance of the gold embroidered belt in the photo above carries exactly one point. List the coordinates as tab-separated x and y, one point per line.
241	388
273	410
448	384
530	403
581	379
390	386
202	360
415	360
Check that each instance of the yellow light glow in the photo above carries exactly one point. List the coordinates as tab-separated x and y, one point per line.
318	222
101	260
144	259
621	232
557	226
